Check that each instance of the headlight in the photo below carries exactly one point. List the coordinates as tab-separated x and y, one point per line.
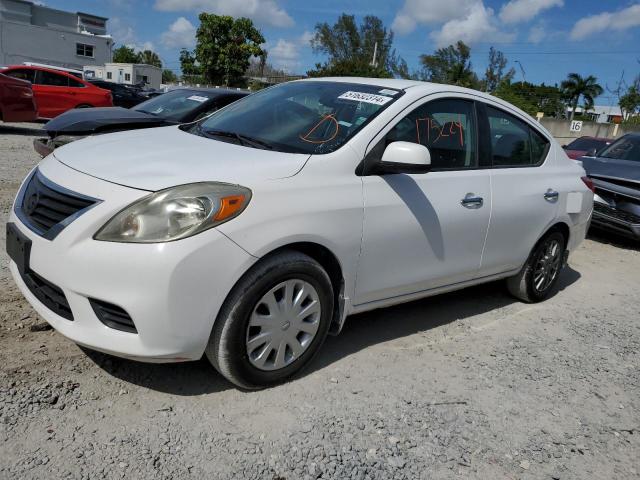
176	213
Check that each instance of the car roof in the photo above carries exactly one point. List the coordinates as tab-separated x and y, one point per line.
44	69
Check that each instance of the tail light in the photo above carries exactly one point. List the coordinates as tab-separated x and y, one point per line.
589	183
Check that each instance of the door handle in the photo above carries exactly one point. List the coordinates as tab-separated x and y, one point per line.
551	195
472	201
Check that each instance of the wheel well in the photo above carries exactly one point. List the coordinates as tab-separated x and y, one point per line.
563	228
331	265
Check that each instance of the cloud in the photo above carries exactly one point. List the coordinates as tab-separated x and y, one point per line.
618	21
181	33
537	34
123	34
478	25
517	11
285	54
262	11
426	12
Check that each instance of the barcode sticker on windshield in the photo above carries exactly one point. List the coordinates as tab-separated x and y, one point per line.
197	98
365	97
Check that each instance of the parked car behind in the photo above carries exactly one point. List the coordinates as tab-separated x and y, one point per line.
615	173
57	91
585	145
250	235
123	95
175	107
17	103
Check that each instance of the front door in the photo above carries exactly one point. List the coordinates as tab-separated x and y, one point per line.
423	231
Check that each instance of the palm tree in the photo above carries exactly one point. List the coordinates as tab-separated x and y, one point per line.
150	58
576	86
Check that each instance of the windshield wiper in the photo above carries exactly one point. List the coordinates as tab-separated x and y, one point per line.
242	139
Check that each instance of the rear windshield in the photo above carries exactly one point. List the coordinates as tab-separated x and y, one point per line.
299	117
587	144
625	148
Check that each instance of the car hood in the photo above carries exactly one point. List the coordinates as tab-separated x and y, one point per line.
157	158
89	120
612	168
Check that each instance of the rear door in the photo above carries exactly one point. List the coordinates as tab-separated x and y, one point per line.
525	189
52	93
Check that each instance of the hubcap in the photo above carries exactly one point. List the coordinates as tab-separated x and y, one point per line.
547	265
283	324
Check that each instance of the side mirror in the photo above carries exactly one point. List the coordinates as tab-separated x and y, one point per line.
404	157
591	153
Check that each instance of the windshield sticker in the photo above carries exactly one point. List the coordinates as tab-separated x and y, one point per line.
197	98
386	91
365	97
345	124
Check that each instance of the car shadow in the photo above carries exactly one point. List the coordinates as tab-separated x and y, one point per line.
611	238
360	332
28	130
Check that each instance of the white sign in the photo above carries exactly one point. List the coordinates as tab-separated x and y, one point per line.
576	126
197	98
365	97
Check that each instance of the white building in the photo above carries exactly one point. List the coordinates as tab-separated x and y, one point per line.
127	73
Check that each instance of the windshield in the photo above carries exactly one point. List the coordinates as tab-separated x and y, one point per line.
299	117
626	148
173	105
587	144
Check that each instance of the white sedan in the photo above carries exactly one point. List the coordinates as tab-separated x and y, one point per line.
252	234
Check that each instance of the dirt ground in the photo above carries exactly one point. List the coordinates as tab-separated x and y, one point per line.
471	384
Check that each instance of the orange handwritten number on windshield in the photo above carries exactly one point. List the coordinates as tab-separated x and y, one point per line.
330	118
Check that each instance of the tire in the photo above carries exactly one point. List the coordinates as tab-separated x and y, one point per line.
235	334
526	285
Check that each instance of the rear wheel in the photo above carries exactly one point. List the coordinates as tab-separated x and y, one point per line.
539	275
273	322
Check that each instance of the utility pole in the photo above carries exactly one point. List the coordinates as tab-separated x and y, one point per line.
375	53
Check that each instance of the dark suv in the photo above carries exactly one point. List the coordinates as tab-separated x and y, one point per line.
123	95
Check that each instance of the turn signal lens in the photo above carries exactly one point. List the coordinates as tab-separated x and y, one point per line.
228	207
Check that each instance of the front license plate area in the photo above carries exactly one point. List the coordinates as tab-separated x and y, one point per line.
18	247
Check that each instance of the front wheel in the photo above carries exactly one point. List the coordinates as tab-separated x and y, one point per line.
273	322
539	275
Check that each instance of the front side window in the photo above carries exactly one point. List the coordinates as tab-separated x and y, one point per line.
312	117
51	79
446	127
513	142
83	50
625	148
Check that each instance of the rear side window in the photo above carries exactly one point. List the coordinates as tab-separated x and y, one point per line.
75	83
513	142
52	79
446	127
22	74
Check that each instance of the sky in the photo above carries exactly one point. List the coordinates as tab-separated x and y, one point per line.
547	38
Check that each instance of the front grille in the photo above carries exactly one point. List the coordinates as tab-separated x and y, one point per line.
113	316
50	295
616	213
46	208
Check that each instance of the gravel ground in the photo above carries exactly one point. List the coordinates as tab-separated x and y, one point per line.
469	384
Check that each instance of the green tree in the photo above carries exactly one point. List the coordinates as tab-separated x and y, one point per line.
510	93
224	47
576	86
188	63
450	65
495	73
149	58
350	48
630	101
168	76
125	54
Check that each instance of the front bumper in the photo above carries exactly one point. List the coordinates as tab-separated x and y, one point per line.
172	291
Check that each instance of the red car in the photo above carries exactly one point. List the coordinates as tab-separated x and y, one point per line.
584	145
57	91
16	100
